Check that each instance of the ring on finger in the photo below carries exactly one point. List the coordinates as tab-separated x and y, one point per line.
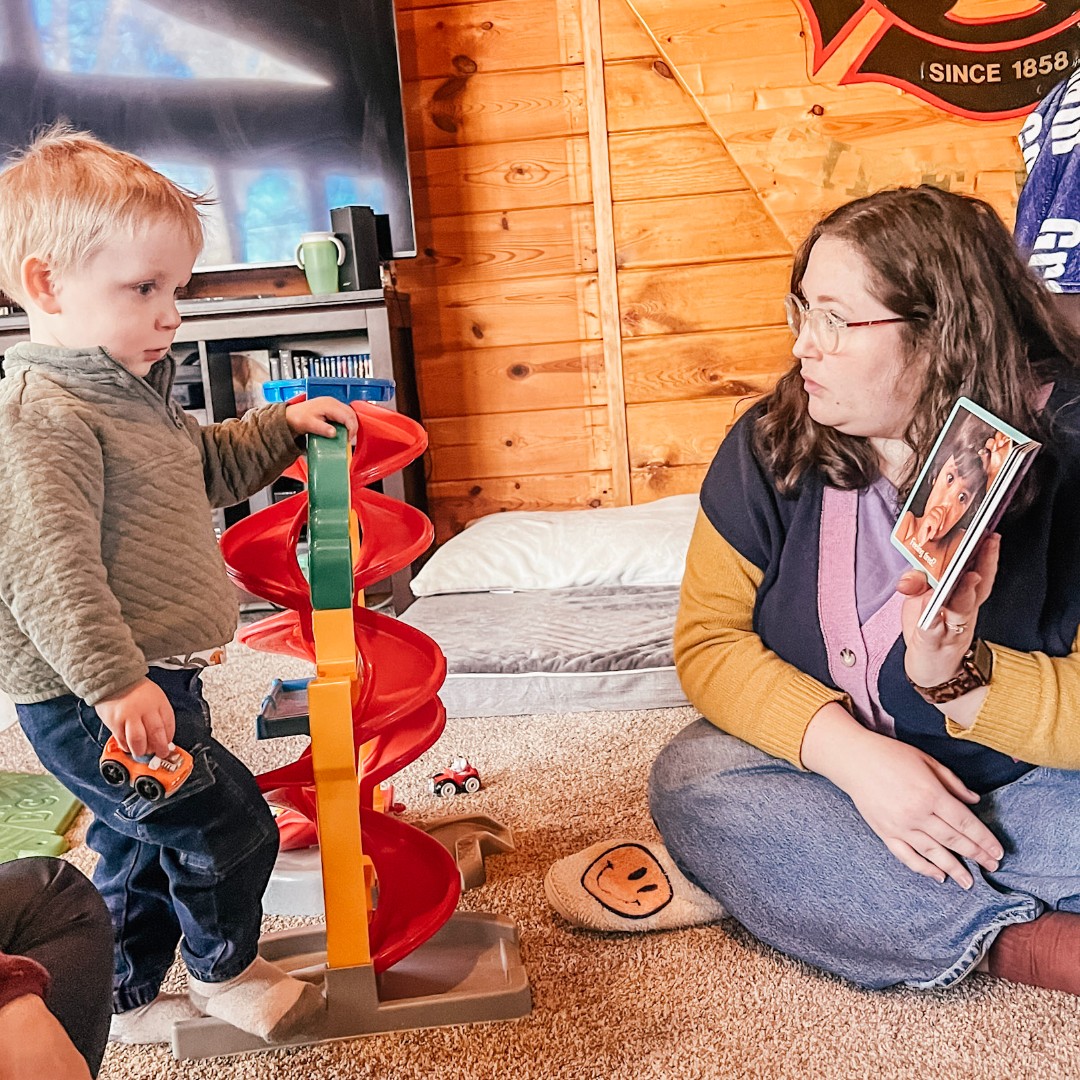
955	627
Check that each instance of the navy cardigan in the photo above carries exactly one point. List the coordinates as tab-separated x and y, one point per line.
1033	607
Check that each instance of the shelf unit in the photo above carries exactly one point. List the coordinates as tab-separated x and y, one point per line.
347	322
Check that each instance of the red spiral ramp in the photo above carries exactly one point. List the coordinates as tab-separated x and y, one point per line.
397	714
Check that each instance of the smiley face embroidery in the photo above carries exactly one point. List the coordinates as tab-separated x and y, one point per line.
628	881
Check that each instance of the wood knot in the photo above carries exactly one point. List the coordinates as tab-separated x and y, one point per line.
465	64
662	69
527	172
818	110
450	89
476	331
519	371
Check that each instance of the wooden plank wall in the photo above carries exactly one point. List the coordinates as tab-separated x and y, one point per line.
721	151
702	269
506	325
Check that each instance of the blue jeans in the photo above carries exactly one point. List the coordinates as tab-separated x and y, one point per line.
790	857
191	869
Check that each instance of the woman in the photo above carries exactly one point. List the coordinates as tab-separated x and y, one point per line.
888	804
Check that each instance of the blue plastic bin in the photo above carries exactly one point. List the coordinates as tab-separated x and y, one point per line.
342	389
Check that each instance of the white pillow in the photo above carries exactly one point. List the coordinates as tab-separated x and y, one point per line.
561	549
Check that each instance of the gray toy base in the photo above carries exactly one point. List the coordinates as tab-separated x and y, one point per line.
470	971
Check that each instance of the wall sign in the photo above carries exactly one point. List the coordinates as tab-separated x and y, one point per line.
984	59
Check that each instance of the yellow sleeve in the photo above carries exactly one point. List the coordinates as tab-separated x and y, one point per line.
1032	708
727	673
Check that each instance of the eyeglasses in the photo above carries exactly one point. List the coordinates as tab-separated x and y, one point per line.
826	329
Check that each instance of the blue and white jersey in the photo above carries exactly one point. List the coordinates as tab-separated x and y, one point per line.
1048	213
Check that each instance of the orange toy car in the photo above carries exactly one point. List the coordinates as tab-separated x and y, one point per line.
152	777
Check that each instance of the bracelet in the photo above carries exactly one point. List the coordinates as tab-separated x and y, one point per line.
976	669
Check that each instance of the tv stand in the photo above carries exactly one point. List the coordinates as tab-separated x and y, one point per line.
346	322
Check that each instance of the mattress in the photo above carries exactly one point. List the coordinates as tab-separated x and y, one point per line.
554	650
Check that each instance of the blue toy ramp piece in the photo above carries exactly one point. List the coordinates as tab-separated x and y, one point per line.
344	389
284	710
35	812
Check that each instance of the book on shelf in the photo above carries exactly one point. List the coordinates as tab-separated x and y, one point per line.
970	477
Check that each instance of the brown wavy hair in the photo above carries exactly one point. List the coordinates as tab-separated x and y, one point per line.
982	325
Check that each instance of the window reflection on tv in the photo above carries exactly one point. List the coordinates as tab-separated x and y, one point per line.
279	110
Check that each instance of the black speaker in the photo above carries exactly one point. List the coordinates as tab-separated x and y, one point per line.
382	235
356	227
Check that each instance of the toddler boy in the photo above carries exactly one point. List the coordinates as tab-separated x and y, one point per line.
111	581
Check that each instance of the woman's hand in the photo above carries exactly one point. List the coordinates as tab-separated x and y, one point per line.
918	807
920	810
933	656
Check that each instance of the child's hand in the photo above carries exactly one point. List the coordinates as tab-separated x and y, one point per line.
318	415
141	718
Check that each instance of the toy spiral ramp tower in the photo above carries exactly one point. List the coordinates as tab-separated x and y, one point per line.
393	953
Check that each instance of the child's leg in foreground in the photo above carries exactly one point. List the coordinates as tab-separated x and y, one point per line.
193	868
788	855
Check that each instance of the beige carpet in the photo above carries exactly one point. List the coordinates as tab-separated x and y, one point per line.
704	1003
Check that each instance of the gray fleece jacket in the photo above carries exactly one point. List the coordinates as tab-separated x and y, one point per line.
107	550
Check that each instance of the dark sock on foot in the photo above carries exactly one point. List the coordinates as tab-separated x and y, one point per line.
1045	952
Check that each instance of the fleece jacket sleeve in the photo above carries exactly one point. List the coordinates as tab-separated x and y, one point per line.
727	673
241	456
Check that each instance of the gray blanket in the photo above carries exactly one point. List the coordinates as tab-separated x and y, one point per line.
600	628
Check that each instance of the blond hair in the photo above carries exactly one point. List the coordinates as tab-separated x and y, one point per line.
68	193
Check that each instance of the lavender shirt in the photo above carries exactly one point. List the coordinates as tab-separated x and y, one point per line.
858	607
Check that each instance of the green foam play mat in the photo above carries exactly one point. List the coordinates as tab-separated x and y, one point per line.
35	812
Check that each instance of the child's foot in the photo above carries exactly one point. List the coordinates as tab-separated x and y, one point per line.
261	1000
1044	952
624	885
152	1023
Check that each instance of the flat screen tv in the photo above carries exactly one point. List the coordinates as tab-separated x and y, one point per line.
280	109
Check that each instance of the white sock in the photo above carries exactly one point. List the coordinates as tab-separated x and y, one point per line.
262	1000
624	885
153	1022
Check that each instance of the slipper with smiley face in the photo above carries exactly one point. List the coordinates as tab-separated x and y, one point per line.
621	885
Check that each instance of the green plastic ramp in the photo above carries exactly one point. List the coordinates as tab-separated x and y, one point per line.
35	812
